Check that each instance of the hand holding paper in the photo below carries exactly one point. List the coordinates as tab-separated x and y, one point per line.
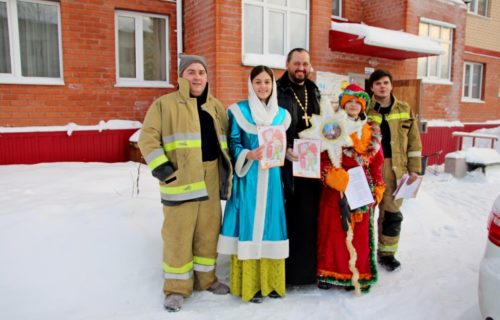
407	188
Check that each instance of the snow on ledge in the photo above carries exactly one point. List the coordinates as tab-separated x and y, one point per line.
482	155
387	38
70	127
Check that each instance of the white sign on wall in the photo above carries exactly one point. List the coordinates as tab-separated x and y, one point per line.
331	84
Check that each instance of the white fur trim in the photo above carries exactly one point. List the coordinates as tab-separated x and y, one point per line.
242	164
241	120
227	245
246	250
288	120
260	207
265	249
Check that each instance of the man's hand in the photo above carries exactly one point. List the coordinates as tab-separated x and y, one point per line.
291	156
255	154
412	177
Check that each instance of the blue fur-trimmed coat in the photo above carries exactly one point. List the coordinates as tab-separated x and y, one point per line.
254	225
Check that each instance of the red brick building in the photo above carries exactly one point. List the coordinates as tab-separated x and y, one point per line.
90	60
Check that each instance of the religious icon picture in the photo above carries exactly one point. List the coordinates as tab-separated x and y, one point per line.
273	138
308	165
332	130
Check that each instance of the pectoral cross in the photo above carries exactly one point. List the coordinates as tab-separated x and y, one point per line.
306	118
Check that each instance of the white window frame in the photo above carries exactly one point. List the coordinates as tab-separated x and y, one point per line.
139	81
15	76
272	60
473	6
438	80
466	96
340	9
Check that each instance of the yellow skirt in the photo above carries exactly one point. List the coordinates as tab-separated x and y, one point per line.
251	276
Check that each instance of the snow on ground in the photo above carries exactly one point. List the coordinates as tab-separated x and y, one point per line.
78	242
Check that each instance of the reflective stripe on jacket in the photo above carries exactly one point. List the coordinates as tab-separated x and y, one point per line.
171	133
405	137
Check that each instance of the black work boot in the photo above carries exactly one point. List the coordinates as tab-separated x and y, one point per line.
389	263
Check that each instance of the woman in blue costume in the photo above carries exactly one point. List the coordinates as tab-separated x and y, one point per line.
254	226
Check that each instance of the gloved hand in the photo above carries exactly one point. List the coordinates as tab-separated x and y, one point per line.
378	193
337	179
163	171
345	213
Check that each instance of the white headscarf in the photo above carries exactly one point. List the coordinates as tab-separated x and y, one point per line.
263	114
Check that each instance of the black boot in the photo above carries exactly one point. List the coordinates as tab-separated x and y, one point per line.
324	285
257	298
389	263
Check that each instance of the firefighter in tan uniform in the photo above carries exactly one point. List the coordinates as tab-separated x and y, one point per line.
402	154
183	140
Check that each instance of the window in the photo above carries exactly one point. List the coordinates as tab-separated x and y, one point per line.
437	68
271	28
30	42
473	81
141	50
337	8
479	7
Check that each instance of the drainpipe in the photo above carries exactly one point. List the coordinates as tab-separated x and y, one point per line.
180	31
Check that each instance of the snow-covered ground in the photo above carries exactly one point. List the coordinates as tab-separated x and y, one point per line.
78	242
82	241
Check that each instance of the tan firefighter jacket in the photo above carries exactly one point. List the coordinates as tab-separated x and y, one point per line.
405	137
171	135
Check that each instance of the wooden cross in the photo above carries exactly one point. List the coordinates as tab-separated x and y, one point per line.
306	117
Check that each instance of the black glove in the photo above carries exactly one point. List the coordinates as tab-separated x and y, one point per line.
163	171
345	213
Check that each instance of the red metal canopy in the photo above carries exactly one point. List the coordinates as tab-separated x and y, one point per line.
378	42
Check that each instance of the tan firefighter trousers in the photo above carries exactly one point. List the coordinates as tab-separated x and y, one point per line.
390	217
190	233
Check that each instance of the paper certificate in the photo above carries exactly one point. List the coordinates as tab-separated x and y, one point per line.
358	191
273	138
405	190
308	165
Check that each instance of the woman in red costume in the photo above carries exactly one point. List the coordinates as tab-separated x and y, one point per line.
346	247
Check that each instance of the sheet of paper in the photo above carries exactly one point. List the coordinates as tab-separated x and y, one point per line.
308	165
273	138
405	190
358	191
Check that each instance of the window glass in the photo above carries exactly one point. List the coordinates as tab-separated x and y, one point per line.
437	67
467	80
482	7
38	39
445	62
154	48
476	82
271	28
336	8
4	40
298	25
126	45
298	4
277	2
276	32
254	19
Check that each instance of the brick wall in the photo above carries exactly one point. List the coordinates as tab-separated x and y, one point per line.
490	107
89	67
482	32
441	101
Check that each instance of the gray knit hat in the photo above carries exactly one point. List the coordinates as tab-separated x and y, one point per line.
187	60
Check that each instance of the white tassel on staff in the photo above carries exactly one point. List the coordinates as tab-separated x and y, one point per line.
353	256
